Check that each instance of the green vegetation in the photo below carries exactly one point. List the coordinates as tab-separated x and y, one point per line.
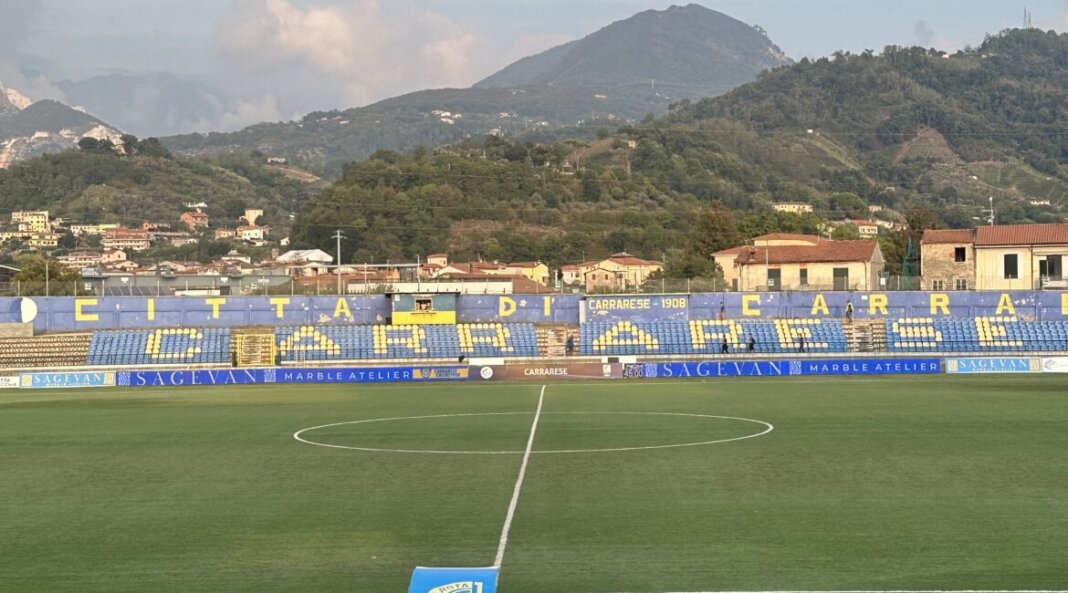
926	136
97	185
933	483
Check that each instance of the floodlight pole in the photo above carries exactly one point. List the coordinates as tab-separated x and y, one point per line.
339	237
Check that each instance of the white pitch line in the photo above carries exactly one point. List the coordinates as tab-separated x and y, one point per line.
518	484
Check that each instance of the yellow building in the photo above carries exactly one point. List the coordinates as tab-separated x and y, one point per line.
1021	256
32	221
1005	257
801	262
793	207
533	270
619	272
44	241
79	230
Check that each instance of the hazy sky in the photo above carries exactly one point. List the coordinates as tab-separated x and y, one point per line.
282	58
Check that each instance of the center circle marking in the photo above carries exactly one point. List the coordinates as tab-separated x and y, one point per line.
767	427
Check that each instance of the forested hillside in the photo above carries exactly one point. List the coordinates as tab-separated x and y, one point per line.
96	184
950	129
927	137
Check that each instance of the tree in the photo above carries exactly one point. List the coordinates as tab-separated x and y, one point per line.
39	275
846	232
848	205
714	230
67	240
94	146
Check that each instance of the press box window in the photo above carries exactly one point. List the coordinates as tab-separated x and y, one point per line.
424	304
960	255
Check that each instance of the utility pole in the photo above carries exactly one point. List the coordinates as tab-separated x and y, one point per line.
339	237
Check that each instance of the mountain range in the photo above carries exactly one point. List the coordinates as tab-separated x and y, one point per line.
29	129
625	71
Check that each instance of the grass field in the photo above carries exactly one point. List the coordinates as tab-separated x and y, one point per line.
932	483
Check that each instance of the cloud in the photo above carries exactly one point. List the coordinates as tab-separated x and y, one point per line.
16	19
927	37
367	52
16	16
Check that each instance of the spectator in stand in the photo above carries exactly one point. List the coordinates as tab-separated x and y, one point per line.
570	344
752	344
722	311
801	344
723	347
849	311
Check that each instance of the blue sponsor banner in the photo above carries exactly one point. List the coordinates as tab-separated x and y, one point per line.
454	580
784	368
67	380
1012	364
163	378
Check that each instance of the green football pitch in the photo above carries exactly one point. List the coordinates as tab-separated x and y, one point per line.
906	484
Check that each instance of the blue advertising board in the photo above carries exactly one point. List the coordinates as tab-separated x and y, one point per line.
454	580
67	380
782	368
284	375
1002	364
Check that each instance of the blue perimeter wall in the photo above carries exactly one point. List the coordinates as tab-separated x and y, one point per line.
85	314
290	375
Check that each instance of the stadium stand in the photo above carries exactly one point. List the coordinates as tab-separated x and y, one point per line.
161	346
360	342
979	334
707	336
63	350
265	346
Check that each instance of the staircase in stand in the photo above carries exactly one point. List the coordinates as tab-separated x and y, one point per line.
865	335
552	339
254	348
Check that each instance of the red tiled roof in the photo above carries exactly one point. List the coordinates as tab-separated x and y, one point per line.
787	237
627	259
825	251
120	233
1022	234
933	237
732	250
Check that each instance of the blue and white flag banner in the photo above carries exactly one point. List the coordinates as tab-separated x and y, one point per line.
454	580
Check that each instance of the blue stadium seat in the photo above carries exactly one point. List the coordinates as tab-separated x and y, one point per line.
979	334
384	342
672	337
161	346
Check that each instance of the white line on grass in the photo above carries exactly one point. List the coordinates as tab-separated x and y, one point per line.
299	435
518	484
